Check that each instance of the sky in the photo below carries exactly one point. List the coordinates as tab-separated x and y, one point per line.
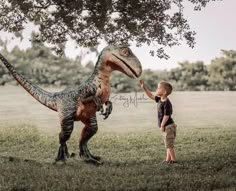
215	26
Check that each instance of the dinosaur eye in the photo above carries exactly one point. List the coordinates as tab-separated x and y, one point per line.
125	52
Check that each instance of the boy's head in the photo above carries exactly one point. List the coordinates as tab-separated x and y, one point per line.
164	89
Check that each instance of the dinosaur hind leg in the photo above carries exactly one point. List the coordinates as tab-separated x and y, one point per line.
67	125
88	131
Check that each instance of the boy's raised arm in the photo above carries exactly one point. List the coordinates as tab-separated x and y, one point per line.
147	91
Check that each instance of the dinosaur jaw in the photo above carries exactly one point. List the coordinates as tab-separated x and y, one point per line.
126	68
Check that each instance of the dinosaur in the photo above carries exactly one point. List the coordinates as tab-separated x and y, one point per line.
82	102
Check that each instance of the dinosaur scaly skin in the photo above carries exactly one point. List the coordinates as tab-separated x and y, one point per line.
81	103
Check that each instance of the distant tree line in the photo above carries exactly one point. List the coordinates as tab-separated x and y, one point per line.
219	75
42	67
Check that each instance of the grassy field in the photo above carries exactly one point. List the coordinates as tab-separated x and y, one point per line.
129	142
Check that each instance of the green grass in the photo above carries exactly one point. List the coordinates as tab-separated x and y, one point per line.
207	161
129	143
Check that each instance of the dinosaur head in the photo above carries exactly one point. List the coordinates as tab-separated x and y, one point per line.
121	58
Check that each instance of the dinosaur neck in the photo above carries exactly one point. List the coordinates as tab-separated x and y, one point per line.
101	75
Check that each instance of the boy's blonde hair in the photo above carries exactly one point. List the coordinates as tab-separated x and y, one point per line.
167	86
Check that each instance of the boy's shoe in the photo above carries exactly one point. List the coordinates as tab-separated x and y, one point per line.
165	162
173	162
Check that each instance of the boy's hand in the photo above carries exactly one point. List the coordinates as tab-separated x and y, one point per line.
162	129
149	94
141	83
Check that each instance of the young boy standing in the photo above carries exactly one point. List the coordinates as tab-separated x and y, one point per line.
165	121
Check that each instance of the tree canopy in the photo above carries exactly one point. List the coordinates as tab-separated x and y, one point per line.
160	22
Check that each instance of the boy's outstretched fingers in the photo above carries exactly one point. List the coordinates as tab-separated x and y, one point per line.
141	83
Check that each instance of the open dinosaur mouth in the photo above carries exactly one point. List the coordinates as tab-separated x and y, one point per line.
131	69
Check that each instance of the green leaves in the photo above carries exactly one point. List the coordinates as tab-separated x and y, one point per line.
222	71
87	22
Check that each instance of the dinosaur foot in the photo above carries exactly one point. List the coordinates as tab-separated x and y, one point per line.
73	155
88	157
63	153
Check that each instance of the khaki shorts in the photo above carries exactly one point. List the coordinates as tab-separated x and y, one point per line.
169	135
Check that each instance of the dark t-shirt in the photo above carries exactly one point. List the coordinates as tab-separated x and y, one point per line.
164	108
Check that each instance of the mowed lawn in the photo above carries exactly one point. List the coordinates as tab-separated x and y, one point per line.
129	143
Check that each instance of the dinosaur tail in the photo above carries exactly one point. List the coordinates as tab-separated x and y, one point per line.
46	98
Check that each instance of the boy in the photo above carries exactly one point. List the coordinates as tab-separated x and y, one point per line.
165	121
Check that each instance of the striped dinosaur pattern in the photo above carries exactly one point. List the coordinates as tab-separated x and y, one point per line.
82	102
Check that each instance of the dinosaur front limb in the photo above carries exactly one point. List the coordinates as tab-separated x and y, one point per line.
108	109
88	131
97	100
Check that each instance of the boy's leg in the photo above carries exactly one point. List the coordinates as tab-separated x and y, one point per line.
170	139
168	156
172	154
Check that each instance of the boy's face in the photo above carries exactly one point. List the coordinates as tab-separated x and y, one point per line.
160	91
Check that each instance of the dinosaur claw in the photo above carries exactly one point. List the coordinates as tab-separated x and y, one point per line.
108	110
88	157
106	115
101	110
63	153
